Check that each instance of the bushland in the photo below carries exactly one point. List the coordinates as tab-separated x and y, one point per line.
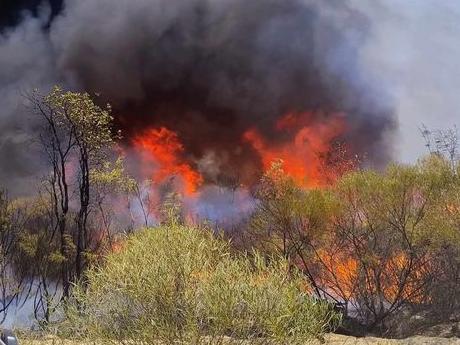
182	284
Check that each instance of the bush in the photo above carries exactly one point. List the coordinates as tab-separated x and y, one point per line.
376	242
182	284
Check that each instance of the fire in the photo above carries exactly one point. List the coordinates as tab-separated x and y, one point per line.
305	139
163	147
302	156
340	272
345	276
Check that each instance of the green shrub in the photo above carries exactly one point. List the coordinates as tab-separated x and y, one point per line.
181	284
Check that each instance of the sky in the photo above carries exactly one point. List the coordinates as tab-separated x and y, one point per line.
415	53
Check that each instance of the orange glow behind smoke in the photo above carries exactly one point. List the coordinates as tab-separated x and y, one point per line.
163	147
301	156
307	141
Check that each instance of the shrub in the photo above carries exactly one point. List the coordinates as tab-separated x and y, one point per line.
376	242
182	284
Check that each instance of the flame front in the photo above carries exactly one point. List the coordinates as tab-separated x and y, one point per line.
303	142
302	156
163	147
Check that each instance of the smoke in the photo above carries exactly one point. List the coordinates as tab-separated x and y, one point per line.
26	62
207	69
223	207
414	54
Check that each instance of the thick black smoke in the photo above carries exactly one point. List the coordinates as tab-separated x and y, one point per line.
12	11
208	69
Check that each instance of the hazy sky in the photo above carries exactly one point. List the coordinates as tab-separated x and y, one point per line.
415	52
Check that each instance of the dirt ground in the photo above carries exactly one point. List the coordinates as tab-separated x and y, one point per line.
330	339
335	339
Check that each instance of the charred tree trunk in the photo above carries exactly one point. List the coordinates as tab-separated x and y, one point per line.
82	221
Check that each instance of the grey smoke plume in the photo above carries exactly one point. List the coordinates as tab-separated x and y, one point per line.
414	54
26	62
208	69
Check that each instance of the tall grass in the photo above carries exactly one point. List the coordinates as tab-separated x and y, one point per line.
182	285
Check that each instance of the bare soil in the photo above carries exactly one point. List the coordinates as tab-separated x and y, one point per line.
330	339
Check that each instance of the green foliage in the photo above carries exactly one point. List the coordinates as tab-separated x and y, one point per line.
408	201
77	115
287	218
393	225
171	210
376	240
78	140
10	284
112	178
37	251
177	284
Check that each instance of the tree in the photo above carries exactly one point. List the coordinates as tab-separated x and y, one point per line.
376	242
110	181
443	296
290	221
389	225
442	142
11	281
76	136
37	255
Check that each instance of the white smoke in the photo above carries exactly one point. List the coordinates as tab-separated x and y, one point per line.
414	53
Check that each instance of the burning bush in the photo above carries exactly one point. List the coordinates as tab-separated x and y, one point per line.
178	283
375	242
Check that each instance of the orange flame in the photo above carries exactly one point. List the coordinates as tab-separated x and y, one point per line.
163	147
344	275
302	155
